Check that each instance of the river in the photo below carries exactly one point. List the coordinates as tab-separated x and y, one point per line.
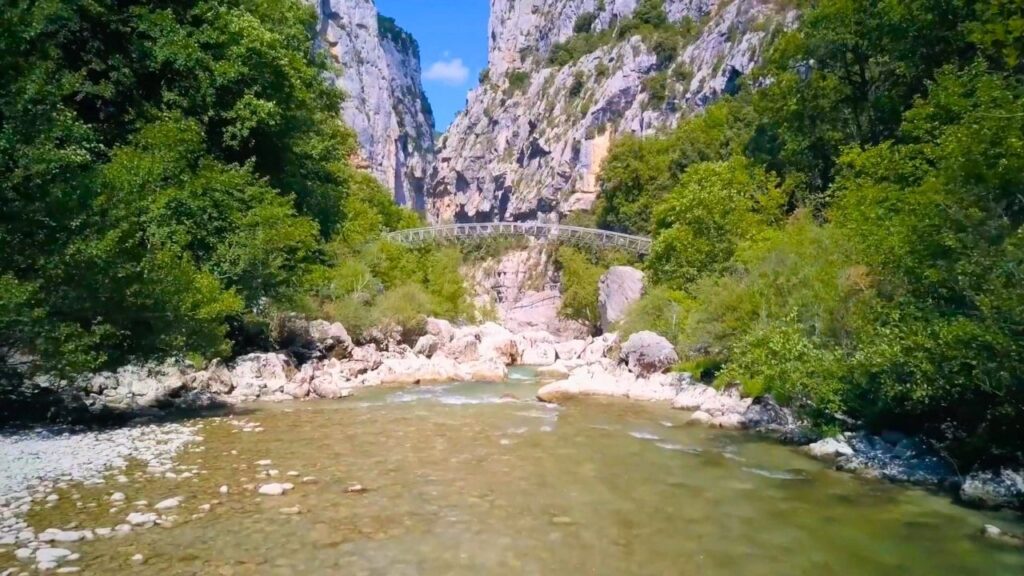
480	479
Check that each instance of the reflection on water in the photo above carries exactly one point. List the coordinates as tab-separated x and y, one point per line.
480	479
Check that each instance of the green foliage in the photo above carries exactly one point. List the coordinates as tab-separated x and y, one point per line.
485	76
660	310
584	23
518	80
578	84
648	20
638	173
715	206
891	135
656	87
579	285
163	169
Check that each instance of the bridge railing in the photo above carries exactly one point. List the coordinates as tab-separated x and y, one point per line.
557	232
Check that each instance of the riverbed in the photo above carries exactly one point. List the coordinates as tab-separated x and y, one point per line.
482	479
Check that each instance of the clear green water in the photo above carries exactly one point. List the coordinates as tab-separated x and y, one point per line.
460	483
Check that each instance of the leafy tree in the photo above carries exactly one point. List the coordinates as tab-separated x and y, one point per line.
715	206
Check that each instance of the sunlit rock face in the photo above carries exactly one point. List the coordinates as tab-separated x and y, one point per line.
530	143
379	70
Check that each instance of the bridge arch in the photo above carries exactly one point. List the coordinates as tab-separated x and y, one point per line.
639	245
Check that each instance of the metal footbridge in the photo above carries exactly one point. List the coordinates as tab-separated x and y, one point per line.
548	232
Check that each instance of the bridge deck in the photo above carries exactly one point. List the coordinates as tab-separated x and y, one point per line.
557	232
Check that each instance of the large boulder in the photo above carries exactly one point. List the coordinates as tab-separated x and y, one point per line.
994	489
216	379
603	378
604	346
620	287
440	329
427	345
766	415
693	396
570	349
331	338
148	386
463	348
537	348
647	353
261	374
333	378
497	343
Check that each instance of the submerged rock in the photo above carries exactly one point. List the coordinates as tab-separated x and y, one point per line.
909	461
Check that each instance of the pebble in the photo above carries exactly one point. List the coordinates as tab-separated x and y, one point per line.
355	489
142	518
272	489
52	554
292	473
169	503
138	559
69	570
309	480
561	520
224	489
52	498
264	462
291	511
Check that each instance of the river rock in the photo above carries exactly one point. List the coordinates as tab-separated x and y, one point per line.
618	288
331	338
693	396
168	504
766	415
570	349
463	348
54	555
647	353
141	518
261	374
216	379
440	329
994	489
993	532
498	343
603	346
699	417
537	348
829	449
909	461
427	345
273	489
300	384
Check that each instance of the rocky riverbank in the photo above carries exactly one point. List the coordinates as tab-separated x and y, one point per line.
322	361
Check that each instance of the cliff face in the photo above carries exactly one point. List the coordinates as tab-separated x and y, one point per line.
385	104
531	140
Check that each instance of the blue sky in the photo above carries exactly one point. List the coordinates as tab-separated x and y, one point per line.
453	46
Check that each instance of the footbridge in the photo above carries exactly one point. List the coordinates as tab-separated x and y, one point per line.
548	232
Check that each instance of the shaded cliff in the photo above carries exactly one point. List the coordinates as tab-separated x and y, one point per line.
379	70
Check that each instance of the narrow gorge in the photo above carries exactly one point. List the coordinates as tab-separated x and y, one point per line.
753	306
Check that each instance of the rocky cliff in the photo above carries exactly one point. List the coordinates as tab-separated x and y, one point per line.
566	77
379	70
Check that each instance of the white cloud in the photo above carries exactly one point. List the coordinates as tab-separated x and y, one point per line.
452	72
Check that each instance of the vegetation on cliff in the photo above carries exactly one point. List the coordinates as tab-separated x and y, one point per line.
848	235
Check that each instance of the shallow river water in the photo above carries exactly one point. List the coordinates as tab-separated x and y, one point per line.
460	480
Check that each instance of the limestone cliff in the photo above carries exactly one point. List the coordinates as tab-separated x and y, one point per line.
532	137
379	70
